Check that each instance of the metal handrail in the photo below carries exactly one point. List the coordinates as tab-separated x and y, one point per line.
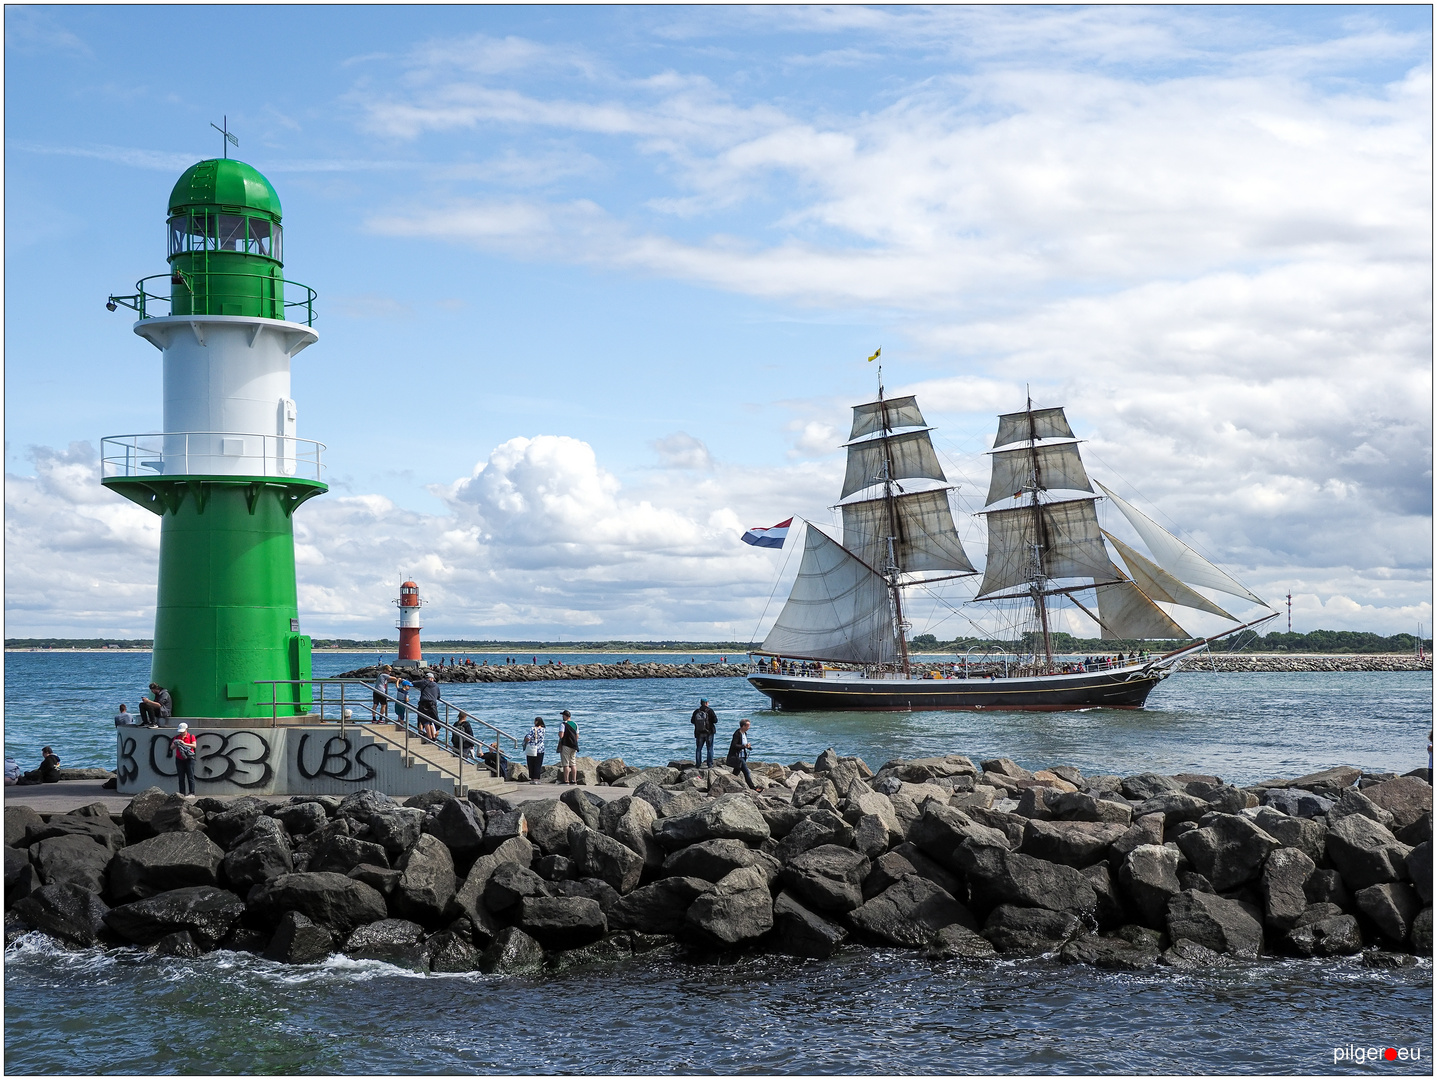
139	301
366	701
144	454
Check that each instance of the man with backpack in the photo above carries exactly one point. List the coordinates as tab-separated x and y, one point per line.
705	722
182	748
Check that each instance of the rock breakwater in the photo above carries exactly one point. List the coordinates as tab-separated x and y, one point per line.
956	860
1223	662
510	673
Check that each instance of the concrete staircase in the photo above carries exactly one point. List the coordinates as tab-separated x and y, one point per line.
439	762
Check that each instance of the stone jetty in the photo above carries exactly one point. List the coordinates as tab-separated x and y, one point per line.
960	862
506	673
627	669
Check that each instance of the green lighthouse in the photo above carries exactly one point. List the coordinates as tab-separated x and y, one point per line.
228	471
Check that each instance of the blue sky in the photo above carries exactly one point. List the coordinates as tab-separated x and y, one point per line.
597	284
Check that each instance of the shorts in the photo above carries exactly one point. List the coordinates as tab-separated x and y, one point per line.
566	756
379	698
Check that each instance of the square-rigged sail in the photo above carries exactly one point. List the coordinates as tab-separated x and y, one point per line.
920	525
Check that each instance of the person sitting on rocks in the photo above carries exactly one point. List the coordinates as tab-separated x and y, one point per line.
738	749
495	759
47	773
160	707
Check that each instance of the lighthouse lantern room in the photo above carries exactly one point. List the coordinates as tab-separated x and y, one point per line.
228	471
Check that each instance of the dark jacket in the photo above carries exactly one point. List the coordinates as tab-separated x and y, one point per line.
165	702
736	747
704	720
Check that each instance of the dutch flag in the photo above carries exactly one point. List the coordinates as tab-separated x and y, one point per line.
772	537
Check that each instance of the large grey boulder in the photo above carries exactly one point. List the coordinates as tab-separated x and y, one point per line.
341	854
881	806
1325	887
1308	835
396	829
205	912
426	882
1392	907
68	913
361	805
816	829
827	878
511	883
996	876
1297	803
17	820
1082	806
394	941
334	901
1145	786
1112	953
178	814
957	942
1406	798
1419	869
909	913
1353	802
102	831
739	909
21	877
468	899
138	813
1224	926
1174	806
780	816
458	825
1366	853
1149	879
501	826
512	952
562	922
261	853
1337	935
816	791
710	860
1422	932
659	908
1072	843
71	859
1228	850
590	888
452	952
797	931
1012	928
299	940
164	862
300	819
924	867
1284	886
630	821
729	817
940	830
225	826
549	824
596	855
870	835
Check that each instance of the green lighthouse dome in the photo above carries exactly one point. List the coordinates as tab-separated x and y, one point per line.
225	182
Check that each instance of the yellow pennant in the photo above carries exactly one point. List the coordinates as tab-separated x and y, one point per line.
876	354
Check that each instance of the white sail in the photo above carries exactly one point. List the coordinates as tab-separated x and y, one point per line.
1073	545
900	412
1125	614
1045	424
908	456
838	609
922	529
1057	467
1158	584
1179	560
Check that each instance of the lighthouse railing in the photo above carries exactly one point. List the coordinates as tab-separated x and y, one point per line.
211	453
142	299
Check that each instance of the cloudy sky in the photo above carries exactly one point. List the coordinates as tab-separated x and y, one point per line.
597	286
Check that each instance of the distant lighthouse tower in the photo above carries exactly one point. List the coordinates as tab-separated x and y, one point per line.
409	624
228	471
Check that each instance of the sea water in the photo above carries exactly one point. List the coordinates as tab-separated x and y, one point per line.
865	1011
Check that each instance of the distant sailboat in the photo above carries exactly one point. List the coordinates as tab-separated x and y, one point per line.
846	606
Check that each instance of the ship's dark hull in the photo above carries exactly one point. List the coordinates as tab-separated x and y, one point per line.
1124	688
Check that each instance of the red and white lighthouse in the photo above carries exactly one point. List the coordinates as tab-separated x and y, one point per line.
409	623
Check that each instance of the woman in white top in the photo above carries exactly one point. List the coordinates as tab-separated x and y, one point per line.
534	749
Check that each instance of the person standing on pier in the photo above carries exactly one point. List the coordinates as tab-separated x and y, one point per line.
429	699
738	749
402	686
381	696
183	747
705	722
568	749
534	749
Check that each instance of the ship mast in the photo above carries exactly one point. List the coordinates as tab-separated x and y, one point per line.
1040	541
891	569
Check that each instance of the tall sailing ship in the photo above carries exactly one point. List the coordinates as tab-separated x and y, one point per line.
840	642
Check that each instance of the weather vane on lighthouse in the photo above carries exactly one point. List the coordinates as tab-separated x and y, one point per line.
229	139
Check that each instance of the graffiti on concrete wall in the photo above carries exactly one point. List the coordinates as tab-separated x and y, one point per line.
250	759
337	761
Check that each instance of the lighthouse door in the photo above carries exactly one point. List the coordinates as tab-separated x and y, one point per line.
288	428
